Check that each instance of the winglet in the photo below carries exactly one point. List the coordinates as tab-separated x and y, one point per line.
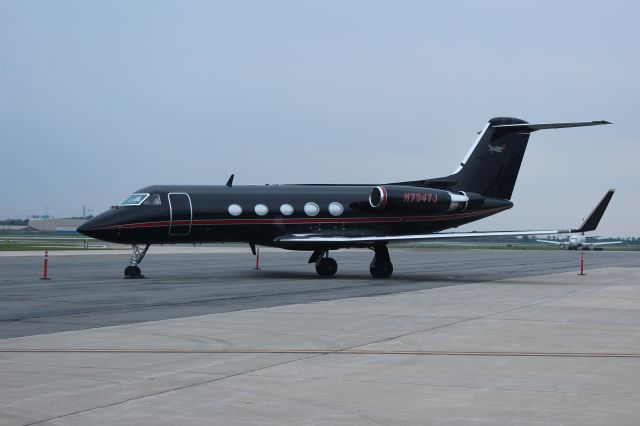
230	180
591	223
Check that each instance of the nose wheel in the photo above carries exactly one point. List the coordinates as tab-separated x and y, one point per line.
133	270
381	266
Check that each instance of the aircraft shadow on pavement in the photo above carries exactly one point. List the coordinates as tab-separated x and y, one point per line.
398	277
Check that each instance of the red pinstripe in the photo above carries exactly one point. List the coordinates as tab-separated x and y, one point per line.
293	221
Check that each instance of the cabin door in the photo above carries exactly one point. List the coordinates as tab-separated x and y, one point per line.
180	213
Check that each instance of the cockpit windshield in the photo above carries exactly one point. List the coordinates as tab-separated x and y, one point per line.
134	200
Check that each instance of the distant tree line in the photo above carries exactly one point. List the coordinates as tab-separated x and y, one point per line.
15	222
633	241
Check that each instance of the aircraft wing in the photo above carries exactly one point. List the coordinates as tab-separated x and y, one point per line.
371	236
604	243
558	243
324	238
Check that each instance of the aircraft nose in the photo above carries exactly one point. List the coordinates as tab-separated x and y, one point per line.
101	227
94	226
86	228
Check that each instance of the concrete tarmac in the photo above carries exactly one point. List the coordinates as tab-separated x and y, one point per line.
455	337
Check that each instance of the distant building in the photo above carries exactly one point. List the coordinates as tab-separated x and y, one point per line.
13	229
56	226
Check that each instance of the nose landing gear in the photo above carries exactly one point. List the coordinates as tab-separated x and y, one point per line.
381	266
133	270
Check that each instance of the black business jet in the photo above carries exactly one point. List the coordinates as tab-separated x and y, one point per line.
320	218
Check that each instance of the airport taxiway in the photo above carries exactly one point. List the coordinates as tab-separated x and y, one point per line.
455	337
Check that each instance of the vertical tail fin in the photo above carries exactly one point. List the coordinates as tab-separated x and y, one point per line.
492	164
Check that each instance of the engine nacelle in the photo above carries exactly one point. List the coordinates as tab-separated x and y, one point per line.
428	200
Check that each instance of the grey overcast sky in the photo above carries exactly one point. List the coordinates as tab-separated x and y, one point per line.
100	98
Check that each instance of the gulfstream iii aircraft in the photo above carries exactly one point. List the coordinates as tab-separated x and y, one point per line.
320	218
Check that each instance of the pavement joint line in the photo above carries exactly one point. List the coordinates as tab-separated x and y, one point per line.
121	369
166	391
327	351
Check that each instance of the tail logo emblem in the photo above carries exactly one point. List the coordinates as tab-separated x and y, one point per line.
498	149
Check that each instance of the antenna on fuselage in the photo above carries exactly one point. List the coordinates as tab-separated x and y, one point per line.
230	180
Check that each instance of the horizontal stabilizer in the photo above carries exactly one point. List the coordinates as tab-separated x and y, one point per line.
528	127
591	223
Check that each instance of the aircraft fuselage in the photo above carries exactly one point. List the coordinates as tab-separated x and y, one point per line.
259	214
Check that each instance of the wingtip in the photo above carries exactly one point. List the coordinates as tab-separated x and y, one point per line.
592	221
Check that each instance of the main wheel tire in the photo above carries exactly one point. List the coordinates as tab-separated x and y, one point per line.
326	267
381	270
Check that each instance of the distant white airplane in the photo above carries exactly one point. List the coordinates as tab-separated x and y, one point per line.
578	241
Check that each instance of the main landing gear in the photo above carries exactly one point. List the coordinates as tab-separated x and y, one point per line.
325	265
133	271
381	266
